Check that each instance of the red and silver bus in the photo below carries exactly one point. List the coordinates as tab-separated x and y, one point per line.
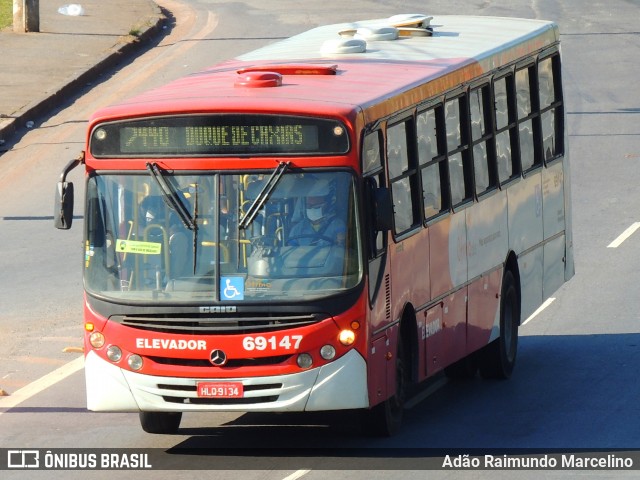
326	222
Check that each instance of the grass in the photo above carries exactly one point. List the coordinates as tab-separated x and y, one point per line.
6	13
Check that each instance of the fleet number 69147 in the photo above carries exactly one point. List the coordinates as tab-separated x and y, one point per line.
287	342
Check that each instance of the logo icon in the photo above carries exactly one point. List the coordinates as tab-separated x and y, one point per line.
218	357
23	459
232	288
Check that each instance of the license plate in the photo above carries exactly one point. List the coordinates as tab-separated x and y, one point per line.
220	389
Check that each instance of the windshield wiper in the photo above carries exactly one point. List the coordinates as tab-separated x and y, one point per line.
263	196
171	197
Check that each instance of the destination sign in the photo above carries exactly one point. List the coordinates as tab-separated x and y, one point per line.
219	135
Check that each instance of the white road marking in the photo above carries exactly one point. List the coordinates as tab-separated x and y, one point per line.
41	384
546	303
624	235
295	475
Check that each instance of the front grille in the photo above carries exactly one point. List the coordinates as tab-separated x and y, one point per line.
239	323
233	363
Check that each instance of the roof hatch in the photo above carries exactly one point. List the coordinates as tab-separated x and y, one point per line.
258	79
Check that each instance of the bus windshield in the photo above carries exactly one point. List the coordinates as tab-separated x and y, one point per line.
162	237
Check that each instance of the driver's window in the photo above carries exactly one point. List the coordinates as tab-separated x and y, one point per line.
373	169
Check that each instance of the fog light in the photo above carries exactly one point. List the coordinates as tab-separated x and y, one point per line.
328	352
305	360
135	362
96	339
114	353
347	337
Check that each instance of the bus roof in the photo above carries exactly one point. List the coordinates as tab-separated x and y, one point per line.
428	57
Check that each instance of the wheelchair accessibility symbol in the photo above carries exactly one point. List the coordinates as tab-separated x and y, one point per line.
232	288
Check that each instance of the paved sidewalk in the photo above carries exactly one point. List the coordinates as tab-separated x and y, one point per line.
39	70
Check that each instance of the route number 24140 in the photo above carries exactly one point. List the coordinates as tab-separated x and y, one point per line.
287	342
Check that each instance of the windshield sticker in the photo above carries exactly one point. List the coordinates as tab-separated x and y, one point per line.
88	253
257	285
232	288
132	246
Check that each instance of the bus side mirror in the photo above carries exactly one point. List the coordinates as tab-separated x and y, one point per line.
382	209
63	210
63	203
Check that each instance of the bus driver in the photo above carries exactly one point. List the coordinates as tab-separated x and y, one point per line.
320	224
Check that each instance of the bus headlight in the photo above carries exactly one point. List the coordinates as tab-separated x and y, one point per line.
328	352
305	360
114	353
135	362
347	337
96	339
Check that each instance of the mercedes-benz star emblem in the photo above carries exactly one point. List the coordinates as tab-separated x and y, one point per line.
218	357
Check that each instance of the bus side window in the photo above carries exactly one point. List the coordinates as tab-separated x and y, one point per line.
481	133
458	150
528	157
505	129
403	177
371	157
428	153
550	106
372	168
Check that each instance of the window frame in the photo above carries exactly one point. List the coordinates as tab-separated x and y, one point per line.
411	173
463	149
557	105
534	115
511	126
440	159
488	137
377	174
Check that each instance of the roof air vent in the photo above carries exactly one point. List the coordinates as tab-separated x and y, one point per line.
258	79
371	34
412	24
343	45
415	20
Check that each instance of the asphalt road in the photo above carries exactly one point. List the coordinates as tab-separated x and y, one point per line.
575	382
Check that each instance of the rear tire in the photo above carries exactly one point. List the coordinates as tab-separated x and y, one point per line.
498	359
160	422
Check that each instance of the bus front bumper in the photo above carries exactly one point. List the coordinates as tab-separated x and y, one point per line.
339	385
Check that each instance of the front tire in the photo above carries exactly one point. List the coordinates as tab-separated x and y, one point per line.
498	359
160	422
385	419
